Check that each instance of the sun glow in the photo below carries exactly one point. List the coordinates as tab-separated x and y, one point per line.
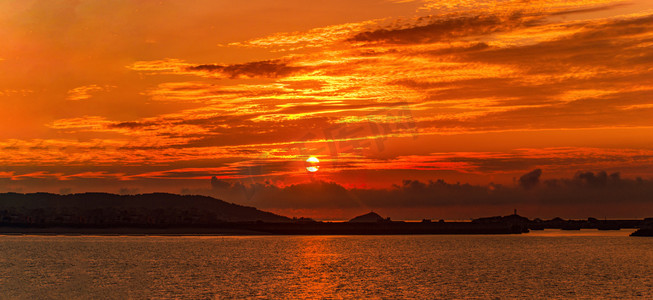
312	164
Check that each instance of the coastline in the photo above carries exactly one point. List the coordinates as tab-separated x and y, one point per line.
261	228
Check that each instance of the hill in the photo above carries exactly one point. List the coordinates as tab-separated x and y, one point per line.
370	217
104	209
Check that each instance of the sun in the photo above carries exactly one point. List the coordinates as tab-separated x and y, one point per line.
312	164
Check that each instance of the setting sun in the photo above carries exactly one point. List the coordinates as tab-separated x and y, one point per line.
312	164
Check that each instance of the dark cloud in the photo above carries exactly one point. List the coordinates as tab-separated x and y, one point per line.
597	193
131	125
440	28
530	179
267	68
600	179
615	44
449	27
218	184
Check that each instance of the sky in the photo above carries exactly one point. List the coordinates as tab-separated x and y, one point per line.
414	108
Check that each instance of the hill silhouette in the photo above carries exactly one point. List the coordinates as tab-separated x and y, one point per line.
106	209
370	217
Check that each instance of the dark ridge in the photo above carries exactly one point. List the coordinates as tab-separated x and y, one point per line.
119	210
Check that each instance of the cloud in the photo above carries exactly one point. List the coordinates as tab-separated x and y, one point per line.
599	179
266	68
15	92
275	68
81	123
377	96
444	28
530	179
522	70
458	26
499	5
317	37
165	66
595	192
218	184
592	48
86	91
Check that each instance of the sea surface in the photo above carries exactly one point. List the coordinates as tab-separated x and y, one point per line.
545	264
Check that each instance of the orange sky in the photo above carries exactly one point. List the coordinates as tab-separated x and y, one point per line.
141	96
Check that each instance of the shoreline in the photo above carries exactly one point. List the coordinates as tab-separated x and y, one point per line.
318	228
549	232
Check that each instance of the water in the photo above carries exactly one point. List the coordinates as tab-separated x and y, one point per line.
545	264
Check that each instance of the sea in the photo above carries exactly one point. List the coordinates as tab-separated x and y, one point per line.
549	264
